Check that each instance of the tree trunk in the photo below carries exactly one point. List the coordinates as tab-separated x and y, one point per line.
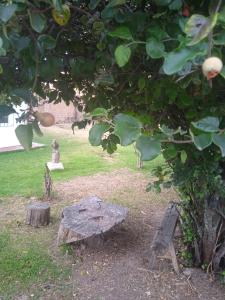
38	214
211	226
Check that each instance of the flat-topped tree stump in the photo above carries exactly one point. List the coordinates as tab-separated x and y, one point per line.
88	219
38	214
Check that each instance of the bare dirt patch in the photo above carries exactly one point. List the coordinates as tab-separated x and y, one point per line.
118	270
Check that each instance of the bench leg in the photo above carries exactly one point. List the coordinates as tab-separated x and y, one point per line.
174	258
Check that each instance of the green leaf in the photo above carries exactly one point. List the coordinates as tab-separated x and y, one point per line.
175	60
183	156
157	32
219	38
2	52
122	55
222	73
109	12
122	32
96	133
37	21
110	143
6	110
114	3
19	42
98	27
221	16
99	112
50	68
154	48
168	131
24	134
148	147
199	27
208	124
104	78
7	11
175	5
141	83
1	69
202	141
162	2
194	24
93	4
46	41
170	152
219	140
36	128
127	128
58	5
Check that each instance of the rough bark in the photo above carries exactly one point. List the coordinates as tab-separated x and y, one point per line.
211	224
217	257
38	214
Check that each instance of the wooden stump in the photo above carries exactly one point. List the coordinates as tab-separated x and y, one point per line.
38	214
88	220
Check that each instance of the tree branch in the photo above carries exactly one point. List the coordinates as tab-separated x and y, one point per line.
178	142
81	10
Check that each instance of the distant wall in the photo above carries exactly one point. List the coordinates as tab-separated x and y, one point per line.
7	130
63	113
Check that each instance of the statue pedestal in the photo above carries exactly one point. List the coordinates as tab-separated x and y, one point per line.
55	166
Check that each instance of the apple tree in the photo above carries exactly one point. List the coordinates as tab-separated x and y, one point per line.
150	73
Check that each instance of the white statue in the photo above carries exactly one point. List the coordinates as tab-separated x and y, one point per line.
55	152
55	164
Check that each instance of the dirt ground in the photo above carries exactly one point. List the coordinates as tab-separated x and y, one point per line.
118	270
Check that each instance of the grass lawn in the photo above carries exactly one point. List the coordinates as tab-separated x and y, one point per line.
30	261
24	264
21	173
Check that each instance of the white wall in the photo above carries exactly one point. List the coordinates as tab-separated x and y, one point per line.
8	137
7	133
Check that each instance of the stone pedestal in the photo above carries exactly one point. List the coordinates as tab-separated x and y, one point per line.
55	166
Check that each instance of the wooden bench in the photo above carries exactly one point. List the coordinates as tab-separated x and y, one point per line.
163	239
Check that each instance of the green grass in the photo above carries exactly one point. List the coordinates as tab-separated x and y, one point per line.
21	173
22	265
28	257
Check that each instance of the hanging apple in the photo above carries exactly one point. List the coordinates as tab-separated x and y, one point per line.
211	67
46	119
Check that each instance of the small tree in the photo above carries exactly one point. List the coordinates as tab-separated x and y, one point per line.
139	66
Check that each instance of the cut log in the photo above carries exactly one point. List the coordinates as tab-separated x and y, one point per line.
88	220
163	239
38	214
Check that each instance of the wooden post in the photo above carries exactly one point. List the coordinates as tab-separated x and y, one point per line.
163	239
48	183
38	214
139	161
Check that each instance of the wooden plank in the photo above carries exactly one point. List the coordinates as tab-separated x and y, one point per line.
165	232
